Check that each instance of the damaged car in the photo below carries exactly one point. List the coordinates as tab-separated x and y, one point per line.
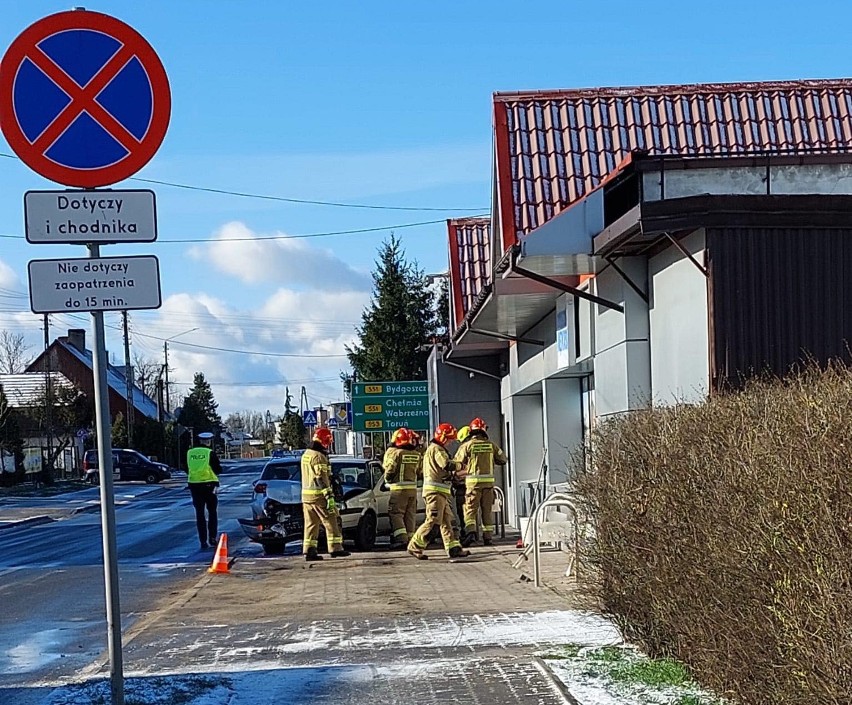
359	489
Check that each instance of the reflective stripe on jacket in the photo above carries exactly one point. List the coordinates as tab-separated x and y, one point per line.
437	470
198	468
477	456
402	468
316	477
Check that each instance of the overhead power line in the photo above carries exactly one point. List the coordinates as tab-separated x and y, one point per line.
285	199
239	352
302	201
330	233
218	349
267	383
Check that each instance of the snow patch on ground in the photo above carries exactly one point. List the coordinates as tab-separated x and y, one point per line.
467	632
587	680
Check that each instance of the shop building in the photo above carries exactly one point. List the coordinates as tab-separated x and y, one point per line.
647	245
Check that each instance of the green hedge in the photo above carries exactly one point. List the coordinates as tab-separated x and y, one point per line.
723	536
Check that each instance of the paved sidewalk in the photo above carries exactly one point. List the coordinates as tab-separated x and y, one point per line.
373	628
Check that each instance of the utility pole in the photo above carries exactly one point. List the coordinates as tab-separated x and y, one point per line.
160	416
160	407
128	375
166	368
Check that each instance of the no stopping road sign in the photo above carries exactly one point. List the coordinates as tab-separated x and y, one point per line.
84	99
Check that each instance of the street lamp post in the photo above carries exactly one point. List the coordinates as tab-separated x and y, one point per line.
166	366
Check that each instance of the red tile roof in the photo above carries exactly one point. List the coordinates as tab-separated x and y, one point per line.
555	146
470	259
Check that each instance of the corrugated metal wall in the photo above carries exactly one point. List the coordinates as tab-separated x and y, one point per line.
777	296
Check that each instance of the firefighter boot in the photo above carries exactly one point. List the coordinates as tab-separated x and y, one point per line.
458	552
340	553
417	553
469	538
312	555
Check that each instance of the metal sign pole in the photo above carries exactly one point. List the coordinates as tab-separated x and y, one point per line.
102	418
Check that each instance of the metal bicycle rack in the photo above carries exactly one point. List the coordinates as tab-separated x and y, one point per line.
500	497
555	500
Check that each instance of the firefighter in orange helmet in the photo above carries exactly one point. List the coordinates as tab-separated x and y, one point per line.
318	504
477	457
402	467
437	480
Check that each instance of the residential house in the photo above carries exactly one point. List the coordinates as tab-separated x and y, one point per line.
26	395
69	355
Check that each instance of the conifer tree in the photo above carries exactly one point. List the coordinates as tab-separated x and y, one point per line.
399	323
293	433
119	431
200	408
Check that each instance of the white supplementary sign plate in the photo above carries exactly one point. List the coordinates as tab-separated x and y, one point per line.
94	284
78	217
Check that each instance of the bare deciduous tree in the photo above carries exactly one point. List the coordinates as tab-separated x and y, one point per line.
14	353
146	371
251	422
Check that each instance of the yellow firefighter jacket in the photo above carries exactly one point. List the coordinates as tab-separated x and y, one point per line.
316	477
477	457
437	470
402	468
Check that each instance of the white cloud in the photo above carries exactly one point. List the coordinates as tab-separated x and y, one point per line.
9	279
15	314
285	262
291	322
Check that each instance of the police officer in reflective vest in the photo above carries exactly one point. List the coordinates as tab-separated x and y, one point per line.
318	504
477	457
202	468
402	466
437	480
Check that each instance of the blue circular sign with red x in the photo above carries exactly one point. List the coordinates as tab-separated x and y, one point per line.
84	99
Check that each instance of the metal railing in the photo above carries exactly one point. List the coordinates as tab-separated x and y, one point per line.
500	510
555	500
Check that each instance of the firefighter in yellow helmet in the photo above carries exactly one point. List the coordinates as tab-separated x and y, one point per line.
437	479
318	503
477	457
402	466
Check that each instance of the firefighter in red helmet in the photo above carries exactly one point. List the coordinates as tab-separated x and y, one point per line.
318	504
402	467
438	472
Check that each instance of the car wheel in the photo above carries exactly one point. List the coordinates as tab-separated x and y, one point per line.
365	534
94	479
273	548
152	478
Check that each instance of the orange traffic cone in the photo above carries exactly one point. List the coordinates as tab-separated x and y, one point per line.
220	560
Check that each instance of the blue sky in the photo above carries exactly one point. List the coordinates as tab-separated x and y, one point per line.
382	103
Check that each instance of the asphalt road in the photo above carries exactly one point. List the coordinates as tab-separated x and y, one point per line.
52	621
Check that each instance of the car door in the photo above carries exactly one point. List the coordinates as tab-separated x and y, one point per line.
131	466
382	493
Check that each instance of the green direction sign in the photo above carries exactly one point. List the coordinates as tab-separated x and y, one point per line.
384	406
